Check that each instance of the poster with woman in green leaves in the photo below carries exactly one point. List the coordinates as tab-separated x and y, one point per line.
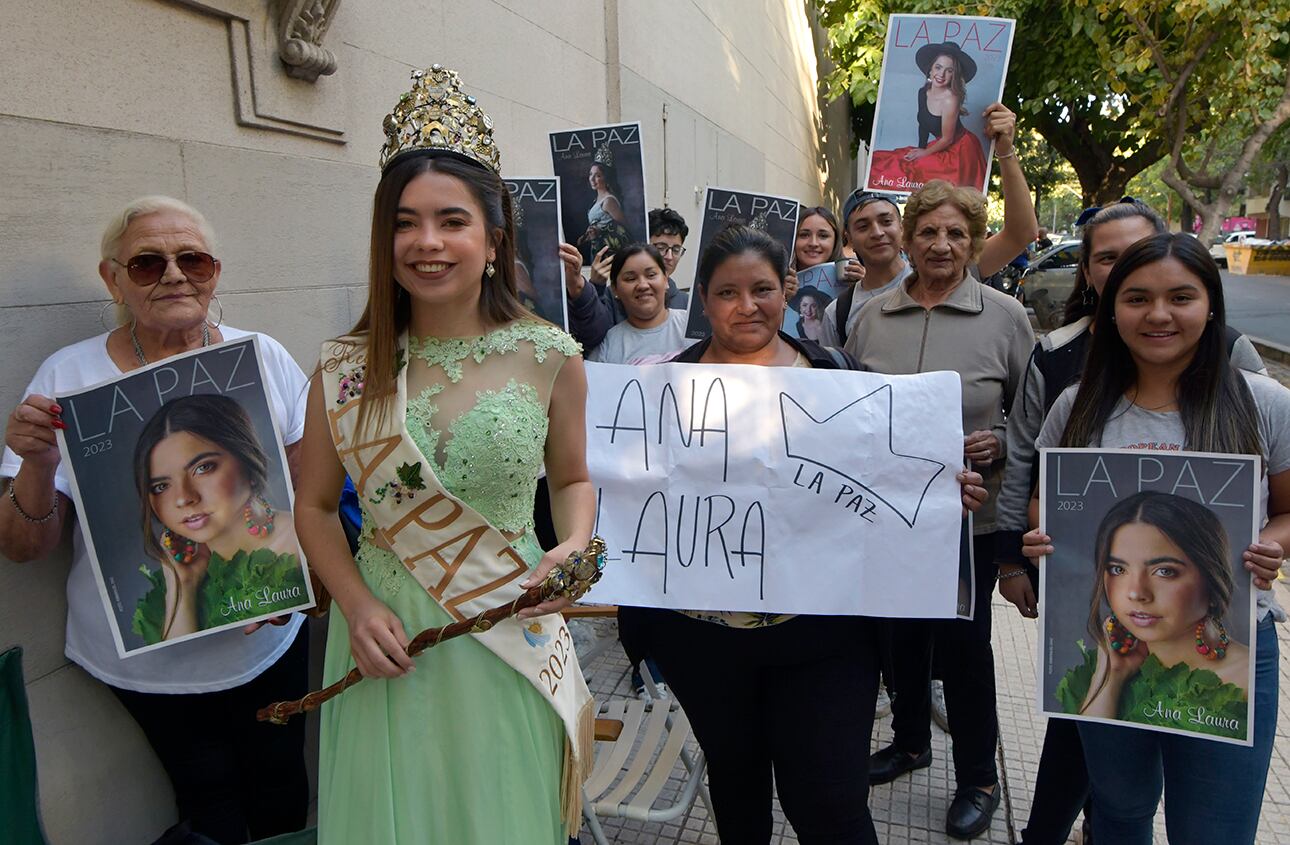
1147	611
181	480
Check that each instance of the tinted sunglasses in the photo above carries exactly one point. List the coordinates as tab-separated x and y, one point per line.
149	267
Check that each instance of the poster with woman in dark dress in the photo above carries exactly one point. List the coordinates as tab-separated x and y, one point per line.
181	484
602	187
539	276
776	216
939	74
1147	612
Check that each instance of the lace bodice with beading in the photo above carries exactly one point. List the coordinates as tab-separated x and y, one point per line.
477	409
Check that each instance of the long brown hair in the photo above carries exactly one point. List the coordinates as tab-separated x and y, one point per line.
1214	402
389	307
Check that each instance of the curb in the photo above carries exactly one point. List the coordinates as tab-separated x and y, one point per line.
1271	351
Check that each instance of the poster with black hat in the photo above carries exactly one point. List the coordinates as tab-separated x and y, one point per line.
539	275
602	187
776	216
939	74
816	287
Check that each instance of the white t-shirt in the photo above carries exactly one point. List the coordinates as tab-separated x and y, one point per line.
1131	427
626	344
215	662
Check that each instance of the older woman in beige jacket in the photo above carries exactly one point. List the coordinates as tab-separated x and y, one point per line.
940	318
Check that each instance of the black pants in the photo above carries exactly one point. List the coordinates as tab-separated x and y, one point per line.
1061	784
967	664
235	779
788	706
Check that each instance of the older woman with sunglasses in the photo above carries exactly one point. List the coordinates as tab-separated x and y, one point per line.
234	779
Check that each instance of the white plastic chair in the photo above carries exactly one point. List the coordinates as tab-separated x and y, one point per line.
632	769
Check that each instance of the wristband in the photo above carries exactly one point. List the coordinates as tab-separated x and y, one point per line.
1012	154
1004	576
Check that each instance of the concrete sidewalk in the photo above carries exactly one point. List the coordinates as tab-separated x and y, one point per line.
912	809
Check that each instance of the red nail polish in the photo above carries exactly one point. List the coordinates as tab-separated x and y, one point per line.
57	409
58	424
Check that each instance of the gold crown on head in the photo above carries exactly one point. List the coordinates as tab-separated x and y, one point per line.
436	116
604	155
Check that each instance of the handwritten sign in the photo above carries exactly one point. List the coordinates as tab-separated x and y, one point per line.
777	489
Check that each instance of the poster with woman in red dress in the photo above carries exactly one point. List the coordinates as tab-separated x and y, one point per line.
939	74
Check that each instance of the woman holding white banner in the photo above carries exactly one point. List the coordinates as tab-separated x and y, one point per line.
233	777
778	702
1162	379
940	318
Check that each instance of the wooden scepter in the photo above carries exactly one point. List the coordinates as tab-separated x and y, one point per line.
570	579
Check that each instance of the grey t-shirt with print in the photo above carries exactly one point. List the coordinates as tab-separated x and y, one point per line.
1131	427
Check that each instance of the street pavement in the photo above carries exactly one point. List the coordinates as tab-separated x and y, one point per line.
912	809
1259	306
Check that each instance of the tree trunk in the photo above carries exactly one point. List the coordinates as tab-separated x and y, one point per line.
1103	176
1274	202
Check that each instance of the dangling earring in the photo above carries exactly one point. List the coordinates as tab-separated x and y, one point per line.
1089	297
1121	640
1211	652
254	527
186	551
489	270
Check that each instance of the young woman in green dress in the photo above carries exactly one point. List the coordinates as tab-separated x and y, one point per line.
454	745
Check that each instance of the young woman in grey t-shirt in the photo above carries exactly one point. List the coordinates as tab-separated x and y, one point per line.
1163	380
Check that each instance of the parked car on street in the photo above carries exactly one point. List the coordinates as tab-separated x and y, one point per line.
1048	283
1216	250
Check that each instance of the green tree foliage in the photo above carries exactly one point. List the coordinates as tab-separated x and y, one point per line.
1219	87
1058	83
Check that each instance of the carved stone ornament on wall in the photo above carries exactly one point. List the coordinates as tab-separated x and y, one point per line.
301	29
272	44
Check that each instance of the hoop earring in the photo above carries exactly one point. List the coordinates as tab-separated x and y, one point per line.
186	551
220	321
1203	646
1122	642
103	312
489	270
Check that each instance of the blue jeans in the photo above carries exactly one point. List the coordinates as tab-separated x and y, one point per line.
1213	790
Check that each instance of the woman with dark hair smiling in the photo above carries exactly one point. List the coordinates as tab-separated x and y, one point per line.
1061	784
639	282
806	734
1159	376
468	396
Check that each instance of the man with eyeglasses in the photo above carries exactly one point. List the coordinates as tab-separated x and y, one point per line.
593	310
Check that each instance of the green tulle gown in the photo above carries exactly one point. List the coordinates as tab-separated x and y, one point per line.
463	750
